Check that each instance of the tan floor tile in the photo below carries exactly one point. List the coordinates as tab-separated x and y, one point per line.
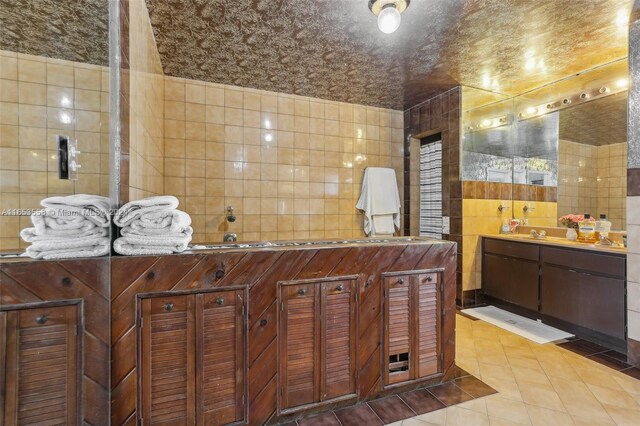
613	397
438	417
596	377
627	383
623	416
544	417
478	405
460	417
497	421
414	422
541	396
593	421
560	369
515	411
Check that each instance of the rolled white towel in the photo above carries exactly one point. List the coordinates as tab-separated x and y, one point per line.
93	207
129	231
32	235
161	222
49	222
132	243
67	248
135	209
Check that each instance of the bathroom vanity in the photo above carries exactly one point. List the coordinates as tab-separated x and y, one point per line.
577	287
251	333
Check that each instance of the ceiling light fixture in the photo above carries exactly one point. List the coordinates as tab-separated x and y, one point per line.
388	13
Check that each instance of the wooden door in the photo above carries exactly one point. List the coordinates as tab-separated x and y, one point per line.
398	328
168	360
427	337
39	352
299	341
220	357
497	276
338	343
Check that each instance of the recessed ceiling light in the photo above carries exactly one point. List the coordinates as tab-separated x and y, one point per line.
388	13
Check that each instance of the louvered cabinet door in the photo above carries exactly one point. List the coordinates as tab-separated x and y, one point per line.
398	328
427	337
338	343
299	357
168	360
41	366
220	357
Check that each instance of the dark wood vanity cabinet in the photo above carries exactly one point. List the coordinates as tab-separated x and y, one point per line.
412	305
40	366
318	342
578	290
192	358
586	289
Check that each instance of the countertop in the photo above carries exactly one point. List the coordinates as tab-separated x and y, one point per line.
262	246
558	242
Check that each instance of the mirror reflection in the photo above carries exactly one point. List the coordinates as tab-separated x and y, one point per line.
565	155
54	108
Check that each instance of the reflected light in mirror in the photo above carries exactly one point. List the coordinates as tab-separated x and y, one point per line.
622	83
268	137
64	101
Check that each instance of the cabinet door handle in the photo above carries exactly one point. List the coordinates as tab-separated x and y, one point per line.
428	279
168	306
340	287
220	300
302	291
41	319
400	281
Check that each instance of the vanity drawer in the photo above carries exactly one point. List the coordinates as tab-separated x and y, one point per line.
600	264
512	249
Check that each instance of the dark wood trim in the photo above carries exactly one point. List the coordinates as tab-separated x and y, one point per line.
633	182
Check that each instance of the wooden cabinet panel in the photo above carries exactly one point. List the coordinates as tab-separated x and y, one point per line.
338	361
427	337
193	354
600	264
220	379
398	328
299	342
168	360
590	301
513	249
512	280
317	342
39	352
412	326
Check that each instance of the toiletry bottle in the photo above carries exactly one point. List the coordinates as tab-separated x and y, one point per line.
587	229
505	227
603	226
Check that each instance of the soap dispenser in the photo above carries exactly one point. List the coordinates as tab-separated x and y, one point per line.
587	229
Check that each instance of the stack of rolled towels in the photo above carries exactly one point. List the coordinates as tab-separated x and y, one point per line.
69	227
152	226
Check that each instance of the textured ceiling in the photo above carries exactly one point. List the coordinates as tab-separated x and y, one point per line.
599	122
333	49
75	30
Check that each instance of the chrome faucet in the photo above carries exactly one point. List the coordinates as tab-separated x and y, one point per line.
230	236
605	241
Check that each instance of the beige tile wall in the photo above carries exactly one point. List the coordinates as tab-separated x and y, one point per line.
146	110
41	98
612	183
291	166
593	180
479	217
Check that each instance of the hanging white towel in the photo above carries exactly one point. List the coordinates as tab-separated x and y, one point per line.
379	196
383	225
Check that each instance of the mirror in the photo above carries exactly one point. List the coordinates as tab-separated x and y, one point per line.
562	147
54	94
593	159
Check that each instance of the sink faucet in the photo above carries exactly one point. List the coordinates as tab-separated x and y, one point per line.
605	241
230	237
